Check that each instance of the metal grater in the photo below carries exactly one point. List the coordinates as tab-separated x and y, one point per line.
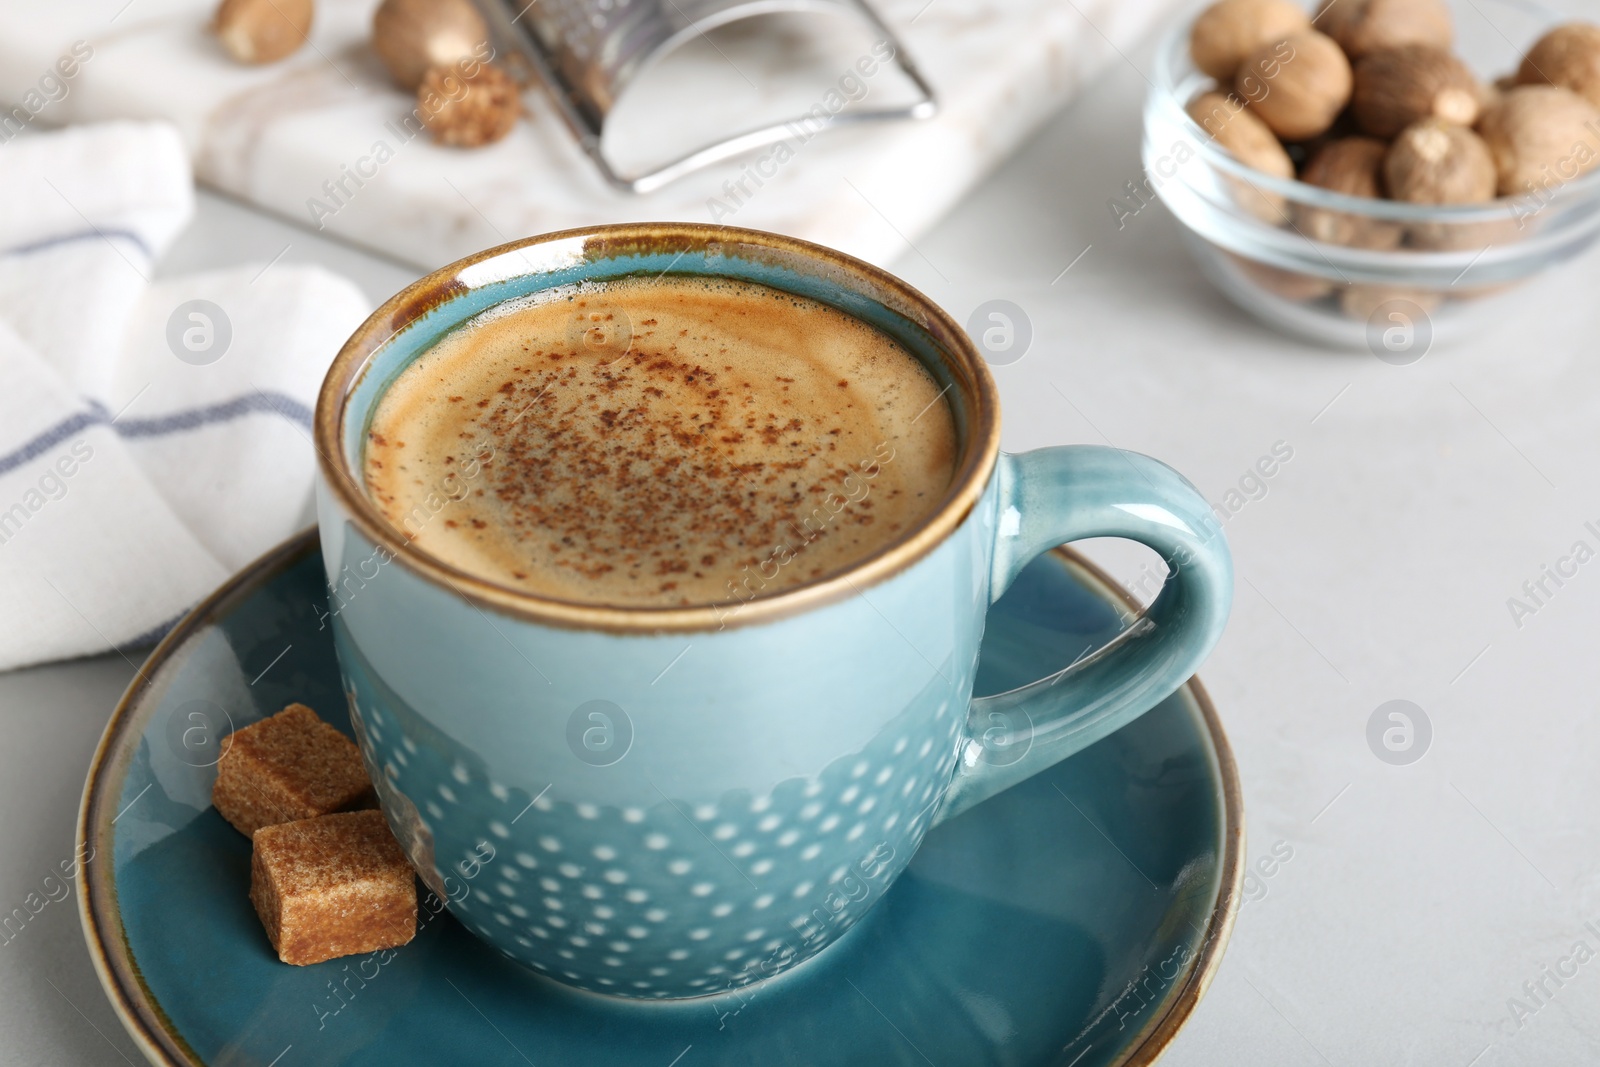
588	52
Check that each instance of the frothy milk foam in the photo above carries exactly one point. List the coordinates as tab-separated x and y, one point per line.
746	441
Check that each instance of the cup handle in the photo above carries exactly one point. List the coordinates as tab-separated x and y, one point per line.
1055	495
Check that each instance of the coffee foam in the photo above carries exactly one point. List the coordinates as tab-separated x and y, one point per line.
742	440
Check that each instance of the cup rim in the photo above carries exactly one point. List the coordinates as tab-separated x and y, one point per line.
978	453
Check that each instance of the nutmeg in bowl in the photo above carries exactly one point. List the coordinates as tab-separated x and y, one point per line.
1450	174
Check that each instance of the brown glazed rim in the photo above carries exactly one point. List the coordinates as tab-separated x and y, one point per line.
1184	995
152	1030
980	445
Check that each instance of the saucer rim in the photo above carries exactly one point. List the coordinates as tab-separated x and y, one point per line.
145	1021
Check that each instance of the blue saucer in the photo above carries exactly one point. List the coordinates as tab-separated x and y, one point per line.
1074	920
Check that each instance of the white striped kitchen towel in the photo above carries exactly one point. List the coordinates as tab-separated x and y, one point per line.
154	435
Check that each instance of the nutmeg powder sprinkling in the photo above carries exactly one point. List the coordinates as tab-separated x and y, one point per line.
660	442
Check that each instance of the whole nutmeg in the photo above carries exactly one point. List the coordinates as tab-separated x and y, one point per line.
1458	235
1364	301
1248	140
1362	26
1395	87
1297	85
412	35
1352	166
1290	285
1235	128
262	31
1349	165
1437	162
1541	136
1229	31
1568	56
468	110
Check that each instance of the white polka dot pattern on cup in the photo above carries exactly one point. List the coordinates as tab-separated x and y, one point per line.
684	898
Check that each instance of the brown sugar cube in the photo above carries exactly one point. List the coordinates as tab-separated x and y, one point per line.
332	886
287	767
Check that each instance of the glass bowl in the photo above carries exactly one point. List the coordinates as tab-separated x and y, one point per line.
1318	264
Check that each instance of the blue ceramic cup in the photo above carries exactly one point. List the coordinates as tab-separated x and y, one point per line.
674	802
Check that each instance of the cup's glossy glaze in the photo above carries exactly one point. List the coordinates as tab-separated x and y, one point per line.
673	802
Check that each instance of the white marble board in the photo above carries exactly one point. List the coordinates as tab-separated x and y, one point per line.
274	135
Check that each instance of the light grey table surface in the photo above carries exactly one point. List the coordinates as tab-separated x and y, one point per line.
1376	564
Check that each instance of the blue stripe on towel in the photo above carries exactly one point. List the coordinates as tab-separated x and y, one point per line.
160	425
227	411
53	436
